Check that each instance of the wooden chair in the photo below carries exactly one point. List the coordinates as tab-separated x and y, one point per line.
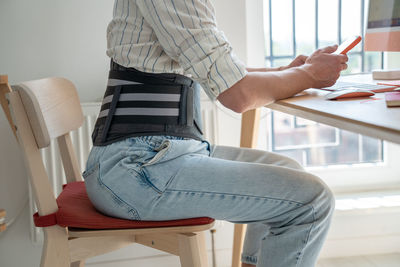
49	108
4	90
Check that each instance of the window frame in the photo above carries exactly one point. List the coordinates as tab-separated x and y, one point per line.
342	179
363	12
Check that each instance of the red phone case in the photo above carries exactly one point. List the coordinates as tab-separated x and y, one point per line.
347	45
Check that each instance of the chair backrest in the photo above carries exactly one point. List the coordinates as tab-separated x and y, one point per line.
46	109
52	106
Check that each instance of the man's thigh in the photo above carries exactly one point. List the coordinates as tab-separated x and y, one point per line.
253	155
233	190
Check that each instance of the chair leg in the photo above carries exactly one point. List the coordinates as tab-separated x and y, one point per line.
55	247
238	239
192	250
78	264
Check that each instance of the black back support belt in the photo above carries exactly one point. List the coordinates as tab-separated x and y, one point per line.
137	103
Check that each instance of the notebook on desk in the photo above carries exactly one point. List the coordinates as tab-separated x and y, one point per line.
376	88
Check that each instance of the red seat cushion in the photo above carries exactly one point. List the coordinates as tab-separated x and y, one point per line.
76	210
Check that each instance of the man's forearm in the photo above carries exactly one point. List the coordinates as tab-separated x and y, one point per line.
257	89
265	69
266	87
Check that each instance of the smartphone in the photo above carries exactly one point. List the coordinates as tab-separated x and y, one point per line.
347	45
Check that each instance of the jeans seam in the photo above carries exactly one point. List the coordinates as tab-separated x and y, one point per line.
131	209
90	171
240	195
146	179
160	192
307	237
143	175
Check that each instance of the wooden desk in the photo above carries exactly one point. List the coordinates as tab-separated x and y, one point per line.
368	116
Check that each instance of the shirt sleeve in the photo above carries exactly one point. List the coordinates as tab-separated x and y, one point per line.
188	34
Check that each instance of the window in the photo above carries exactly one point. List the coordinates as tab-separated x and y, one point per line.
299	27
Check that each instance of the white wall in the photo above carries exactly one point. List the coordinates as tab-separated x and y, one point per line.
56	38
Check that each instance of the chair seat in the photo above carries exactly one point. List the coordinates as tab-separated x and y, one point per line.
76	210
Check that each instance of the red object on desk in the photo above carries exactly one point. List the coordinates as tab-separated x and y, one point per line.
394	83
347	45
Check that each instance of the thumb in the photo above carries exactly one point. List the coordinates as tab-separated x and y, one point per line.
302	58
329	49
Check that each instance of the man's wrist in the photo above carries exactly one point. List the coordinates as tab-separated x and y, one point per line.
282	68
307	74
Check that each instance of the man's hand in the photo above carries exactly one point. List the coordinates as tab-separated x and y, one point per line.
257	89
324	67
297	62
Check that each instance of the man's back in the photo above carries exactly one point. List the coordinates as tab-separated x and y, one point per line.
174	37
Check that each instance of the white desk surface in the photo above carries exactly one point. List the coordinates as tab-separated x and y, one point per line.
367	115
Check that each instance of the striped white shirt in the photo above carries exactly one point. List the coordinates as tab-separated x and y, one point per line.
174	36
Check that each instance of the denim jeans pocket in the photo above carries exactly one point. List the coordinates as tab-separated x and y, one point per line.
160	170
156	174
104	199
162	150
171	157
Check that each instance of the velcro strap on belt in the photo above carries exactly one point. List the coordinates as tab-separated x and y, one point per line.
189	106
111	112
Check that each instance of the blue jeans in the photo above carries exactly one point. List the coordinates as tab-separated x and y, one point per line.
287	210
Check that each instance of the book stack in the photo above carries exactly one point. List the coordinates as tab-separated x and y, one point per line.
392	99
2	219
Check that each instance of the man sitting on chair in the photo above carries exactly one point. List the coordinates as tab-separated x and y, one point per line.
153	161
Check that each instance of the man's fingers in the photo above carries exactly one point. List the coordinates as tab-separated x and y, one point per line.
343	66
316	52
343	58
329	49
302	58
338	59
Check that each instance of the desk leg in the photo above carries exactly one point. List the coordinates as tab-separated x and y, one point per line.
248	138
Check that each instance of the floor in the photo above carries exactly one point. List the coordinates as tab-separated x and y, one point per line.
389	260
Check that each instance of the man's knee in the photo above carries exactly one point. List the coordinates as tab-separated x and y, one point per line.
293	164
284	161
323	199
